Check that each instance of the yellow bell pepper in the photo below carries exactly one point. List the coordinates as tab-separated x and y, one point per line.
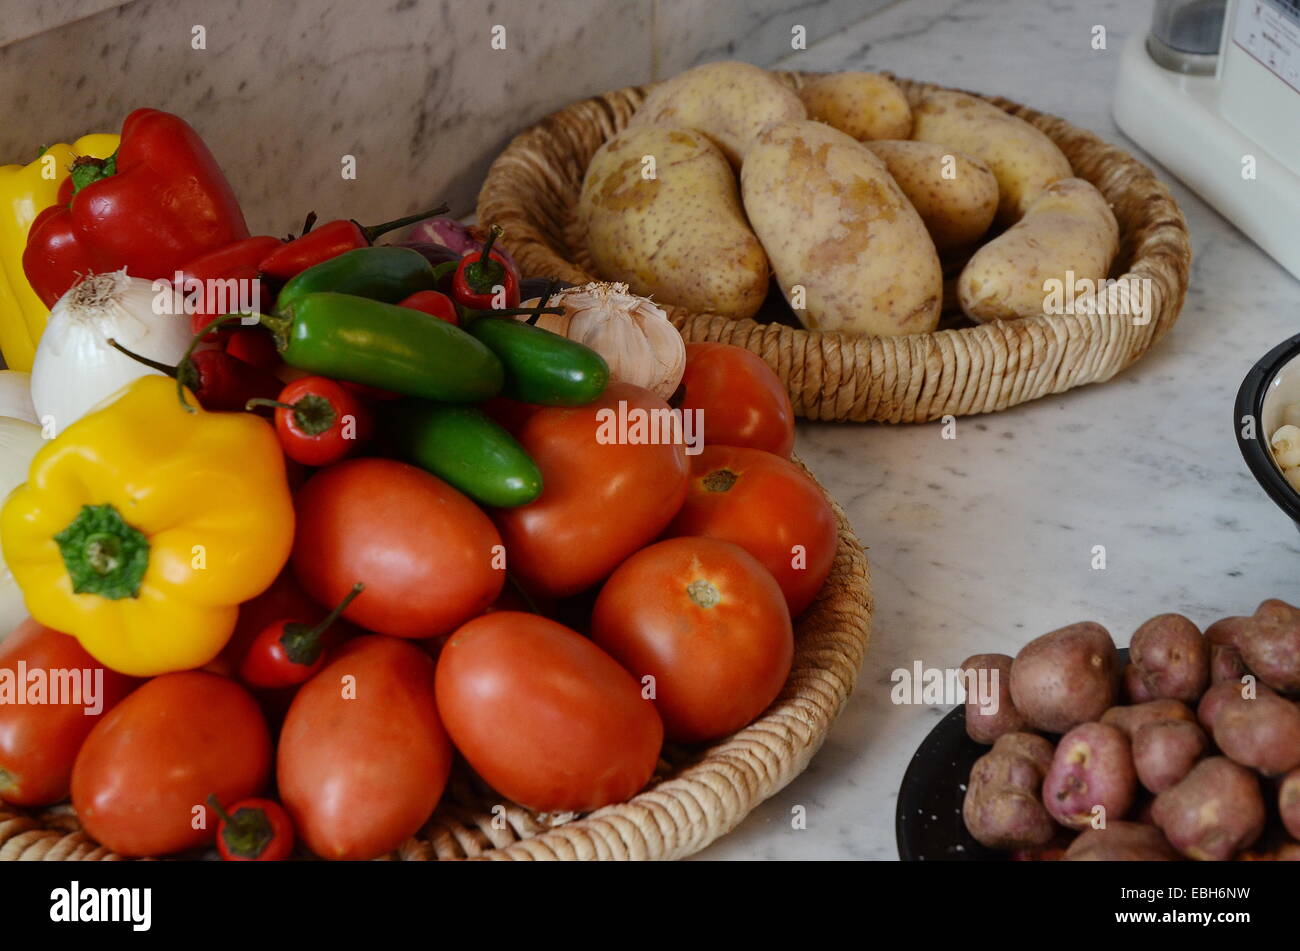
26	191
143	526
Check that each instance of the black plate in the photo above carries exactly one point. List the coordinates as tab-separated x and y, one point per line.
1255	450
928	822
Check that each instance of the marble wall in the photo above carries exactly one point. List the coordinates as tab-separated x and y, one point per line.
415	90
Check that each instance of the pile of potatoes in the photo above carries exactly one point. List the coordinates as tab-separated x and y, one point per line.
1190	750
858	202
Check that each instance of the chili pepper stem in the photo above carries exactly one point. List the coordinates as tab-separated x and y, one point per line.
312	414
472	315
493	233
542	301
216	807
375	231
139	358
302	644
189	352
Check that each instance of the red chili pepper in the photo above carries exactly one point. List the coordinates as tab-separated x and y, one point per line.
254	346
433	303
318	420
480	274
370	392
237	262
220	382
287	652
156	204
253	830
330	240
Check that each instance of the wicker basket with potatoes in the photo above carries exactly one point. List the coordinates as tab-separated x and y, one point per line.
890	248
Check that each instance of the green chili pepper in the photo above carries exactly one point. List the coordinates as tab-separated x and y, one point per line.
542	367
394	348
463	446
381	273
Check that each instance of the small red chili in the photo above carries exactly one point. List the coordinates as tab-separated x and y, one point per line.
483	280
287	652
318	420
433	303
329	241
253	830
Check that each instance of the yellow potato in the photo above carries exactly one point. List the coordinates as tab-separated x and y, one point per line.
955	194
863	105
1069	234
730	102
679	236
843	238
1024	160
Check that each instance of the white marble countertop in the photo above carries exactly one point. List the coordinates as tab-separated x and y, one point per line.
982	542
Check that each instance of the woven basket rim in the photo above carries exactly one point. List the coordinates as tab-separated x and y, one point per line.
672	818
1162	253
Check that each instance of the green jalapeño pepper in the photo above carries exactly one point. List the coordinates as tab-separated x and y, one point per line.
463	446
542	367
380	273
394	348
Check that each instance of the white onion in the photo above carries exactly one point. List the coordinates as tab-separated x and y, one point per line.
75	368
16	395
19	441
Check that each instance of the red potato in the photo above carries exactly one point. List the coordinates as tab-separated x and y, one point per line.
1128	720
1214	812
1213	700
1170	658
1003	808
1067	677
1122	842
1288	802
986	722
1262	733
1270	647
1164	751
1225	656
1091	776
363	756
1135	690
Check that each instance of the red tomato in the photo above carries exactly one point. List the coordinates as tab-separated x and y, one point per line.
744	403
602	499
156	757
363	756
709	623
545	716
768	507
254	830
39	742
428	556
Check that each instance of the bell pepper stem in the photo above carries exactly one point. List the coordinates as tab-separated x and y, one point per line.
375	231
139	358
86	170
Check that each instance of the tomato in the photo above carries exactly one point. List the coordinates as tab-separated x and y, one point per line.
428	556
743	402
145	772
545	716
363	756
602	499
768	507
708	623
39	742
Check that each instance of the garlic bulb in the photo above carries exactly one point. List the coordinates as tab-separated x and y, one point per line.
75	368
632	333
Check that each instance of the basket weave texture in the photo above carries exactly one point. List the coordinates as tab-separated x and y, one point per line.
696	796
532	191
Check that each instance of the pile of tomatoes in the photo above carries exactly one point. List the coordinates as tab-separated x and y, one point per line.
646	596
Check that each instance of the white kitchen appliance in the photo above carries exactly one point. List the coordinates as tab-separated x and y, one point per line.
1213	93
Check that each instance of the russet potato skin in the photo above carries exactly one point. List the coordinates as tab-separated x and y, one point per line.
1068	230
1024	160
834	222
730	102
680	237
957	210
863	105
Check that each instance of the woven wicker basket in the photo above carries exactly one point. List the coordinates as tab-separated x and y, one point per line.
696	796
532	191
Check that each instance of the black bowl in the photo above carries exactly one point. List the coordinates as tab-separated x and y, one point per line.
1255	449
927	821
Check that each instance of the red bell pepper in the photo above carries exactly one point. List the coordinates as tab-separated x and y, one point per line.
155	205
329	241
